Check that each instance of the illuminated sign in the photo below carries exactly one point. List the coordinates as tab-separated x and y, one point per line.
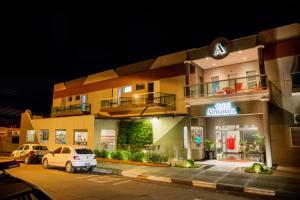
219	48
222	109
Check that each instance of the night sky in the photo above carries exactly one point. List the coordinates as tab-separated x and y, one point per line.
43	46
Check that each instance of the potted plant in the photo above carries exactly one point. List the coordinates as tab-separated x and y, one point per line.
209	147
243	145
260	141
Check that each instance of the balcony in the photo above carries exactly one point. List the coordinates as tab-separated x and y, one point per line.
139	103
238	89
77	109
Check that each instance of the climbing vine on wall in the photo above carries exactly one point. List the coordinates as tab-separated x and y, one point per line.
135	133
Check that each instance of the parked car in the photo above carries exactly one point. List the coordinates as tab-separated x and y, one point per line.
71	158
29	153
15	188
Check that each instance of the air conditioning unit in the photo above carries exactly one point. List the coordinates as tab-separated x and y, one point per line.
296	118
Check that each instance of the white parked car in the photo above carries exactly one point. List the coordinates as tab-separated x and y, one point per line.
29	153
71	158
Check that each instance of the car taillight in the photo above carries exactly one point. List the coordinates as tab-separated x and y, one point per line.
31	153
76	157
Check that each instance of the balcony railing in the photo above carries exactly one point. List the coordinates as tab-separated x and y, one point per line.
84	108
152	98
249	84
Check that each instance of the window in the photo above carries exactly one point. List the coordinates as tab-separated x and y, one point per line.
63	101
66	150
70	98
26	147
44	135
60	136
215	84
251	81
20	148
84	151
77	98
80	136
231	83
140	86
127	89
40	148
108	139
295	136
30	135
57	150
15	139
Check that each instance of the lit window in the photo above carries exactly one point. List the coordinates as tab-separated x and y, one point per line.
30	135
44	135
140	86
60	136
80	136
127	89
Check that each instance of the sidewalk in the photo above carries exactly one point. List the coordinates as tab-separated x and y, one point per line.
279	184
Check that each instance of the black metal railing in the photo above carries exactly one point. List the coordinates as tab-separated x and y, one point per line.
85	107
228	87
140	99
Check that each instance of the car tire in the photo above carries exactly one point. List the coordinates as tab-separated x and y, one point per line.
69	167
12	157
45	163
91	169
27	160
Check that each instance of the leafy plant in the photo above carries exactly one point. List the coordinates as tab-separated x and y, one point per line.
209	145
186	164
258	168
135	134
243	142
138	157
153	157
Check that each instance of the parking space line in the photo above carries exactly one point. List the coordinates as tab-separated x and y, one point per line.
122	182
87	176
110	180
93	179
54	172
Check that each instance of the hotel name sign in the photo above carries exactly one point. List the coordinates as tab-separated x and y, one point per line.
219	48
222	109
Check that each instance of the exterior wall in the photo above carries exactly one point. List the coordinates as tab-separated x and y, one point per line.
106	124
175	85
283	107
94	98
68	123
223	72
168	133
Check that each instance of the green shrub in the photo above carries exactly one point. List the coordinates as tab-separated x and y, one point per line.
192	163
258	168
124	155
186	164
138	157
153	157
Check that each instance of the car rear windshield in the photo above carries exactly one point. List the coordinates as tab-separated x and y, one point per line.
40	148
84	151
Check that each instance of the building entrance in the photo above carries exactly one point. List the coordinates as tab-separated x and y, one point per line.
239	143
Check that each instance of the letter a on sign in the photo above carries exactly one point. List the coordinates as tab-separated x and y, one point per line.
219	50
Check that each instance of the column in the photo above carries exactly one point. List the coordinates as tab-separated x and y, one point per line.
266	126
261	63
189	130
187	65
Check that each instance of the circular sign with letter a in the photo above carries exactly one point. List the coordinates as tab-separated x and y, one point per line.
219	48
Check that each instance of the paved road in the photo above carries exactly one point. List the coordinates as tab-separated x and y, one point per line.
62	185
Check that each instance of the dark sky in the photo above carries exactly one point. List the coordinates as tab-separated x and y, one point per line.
42	45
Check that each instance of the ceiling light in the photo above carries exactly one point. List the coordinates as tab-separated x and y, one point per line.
240	51
244	58
214	64
206	58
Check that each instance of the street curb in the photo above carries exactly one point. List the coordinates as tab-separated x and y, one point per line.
200	184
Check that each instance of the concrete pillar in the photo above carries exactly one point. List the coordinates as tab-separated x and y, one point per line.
266	125
187	65
189	130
